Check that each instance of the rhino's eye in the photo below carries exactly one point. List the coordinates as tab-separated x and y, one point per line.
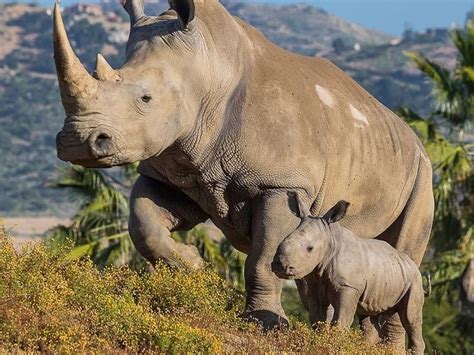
146	98
309	249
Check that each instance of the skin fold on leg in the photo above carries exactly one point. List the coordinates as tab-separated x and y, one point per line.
370	328
345	307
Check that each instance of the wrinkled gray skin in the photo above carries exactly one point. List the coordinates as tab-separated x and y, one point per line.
353	275
225	124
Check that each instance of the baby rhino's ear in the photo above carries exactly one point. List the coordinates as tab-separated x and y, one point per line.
300	209
336	213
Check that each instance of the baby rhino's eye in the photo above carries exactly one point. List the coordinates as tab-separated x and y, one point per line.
309	249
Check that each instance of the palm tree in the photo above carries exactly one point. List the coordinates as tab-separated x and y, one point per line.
453	91
99	228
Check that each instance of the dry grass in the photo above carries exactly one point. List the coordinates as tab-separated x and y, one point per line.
50	304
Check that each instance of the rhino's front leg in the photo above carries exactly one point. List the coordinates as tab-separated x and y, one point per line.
272	221
155	211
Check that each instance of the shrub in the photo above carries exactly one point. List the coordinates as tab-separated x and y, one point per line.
49	303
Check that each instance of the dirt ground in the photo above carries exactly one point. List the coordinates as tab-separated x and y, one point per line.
30	229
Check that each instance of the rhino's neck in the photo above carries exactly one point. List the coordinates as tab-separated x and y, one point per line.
202	161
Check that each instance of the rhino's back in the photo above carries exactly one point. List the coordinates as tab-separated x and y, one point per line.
307	125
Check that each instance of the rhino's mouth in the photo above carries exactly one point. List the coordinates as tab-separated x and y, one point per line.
98	150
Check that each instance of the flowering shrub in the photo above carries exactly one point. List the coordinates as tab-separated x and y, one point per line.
49	303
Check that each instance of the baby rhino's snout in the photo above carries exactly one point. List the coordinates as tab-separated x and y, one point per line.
281	270
283	262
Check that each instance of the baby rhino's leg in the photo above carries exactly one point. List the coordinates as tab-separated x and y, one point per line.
370	328
316	304
345	306
410	310
318	313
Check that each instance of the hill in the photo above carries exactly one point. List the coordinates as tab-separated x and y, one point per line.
30	111
385	71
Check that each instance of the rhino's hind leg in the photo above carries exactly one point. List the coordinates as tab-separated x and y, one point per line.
410	234
155	211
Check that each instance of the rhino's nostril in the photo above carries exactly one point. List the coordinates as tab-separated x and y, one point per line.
101	144
102	140
103	136
290	270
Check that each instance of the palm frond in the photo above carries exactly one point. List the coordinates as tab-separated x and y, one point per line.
448	91
463	40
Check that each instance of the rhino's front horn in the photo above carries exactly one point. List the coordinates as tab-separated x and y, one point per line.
103	70
74	80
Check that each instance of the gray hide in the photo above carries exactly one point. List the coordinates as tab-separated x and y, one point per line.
225	124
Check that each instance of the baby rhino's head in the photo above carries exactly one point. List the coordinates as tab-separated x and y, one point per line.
301	251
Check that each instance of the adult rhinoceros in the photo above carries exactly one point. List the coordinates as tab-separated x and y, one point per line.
228	126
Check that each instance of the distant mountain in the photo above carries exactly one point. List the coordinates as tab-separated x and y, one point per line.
30	110
304	28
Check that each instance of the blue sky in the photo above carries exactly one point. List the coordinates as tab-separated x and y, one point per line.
390	16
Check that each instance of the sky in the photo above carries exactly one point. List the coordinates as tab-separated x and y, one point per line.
390	16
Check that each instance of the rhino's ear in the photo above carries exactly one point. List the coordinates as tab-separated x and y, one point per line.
301	210
184	9
135	9
336	213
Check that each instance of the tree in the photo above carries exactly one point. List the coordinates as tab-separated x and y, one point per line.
99	228
453	91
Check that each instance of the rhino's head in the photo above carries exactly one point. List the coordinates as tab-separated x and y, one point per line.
118	116
305	248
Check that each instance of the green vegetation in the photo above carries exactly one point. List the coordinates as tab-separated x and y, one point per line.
50	303
452	243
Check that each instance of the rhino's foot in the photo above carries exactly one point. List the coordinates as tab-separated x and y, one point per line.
188	256
268	320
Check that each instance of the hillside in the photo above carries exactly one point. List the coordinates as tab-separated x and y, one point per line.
385	71
30	111
303	28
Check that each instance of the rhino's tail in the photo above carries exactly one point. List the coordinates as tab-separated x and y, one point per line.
427	290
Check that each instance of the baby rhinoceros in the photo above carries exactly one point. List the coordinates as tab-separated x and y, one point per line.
367	277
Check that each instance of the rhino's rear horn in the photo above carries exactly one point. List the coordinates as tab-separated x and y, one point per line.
135	9
74	80
104	72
